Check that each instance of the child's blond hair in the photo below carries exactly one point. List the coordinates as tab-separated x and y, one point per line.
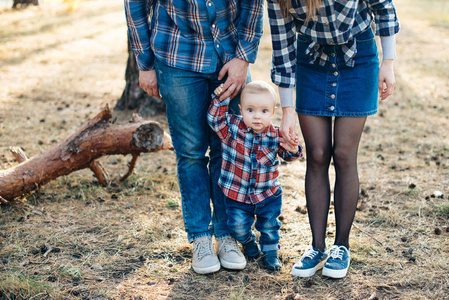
259	87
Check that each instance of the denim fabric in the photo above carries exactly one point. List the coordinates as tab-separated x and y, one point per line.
241	217
187	96
336	90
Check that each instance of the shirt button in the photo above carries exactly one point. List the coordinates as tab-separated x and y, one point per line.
326	23
333	54
334	84
334	65
213	25
218	46
331	43
210	4
333	97
336	73
332	108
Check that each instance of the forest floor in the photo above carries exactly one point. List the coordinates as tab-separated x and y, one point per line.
76	239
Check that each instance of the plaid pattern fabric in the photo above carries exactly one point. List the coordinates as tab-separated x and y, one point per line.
336	23
249	163
185	33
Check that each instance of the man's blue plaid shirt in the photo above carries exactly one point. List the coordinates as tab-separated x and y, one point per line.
185	33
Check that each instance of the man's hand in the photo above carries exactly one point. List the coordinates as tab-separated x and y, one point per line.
386	79
237	70
148	83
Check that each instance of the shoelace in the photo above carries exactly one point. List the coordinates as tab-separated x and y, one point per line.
203	249
310	253
336	253
229	245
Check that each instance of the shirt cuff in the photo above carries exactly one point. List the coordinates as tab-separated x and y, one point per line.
286	96
247	51
388	47
145	60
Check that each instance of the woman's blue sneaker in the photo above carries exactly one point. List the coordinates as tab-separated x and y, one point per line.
311	261
337	264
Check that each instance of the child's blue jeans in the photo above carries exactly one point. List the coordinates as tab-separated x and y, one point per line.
241	217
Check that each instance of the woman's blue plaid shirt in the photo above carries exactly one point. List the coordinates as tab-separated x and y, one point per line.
185	33
336	23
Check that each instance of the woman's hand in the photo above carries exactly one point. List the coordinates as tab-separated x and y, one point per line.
386	79
287	127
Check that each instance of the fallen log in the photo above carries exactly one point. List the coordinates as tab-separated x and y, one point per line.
94	139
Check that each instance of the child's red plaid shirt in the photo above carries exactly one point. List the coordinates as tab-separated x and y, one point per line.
250	167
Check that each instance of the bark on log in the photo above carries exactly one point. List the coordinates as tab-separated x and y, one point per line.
94	139
24	3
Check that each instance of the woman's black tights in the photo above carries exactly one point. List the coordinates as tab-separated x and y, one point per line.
320	148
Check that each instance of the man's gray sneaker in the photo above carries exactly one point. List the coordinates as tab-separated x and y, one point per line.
230	255
204	258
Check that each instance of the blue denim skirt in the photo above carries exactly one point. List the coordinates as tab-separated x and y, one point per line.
336	90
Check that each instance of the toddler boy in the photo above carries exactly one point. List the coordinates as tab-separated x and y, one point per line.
250	168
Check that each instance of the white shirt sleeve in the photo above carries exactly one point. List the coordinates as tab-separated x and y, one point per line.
286	96
388	44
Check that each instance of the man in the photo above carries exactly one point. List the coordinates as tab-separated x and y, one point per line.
184	50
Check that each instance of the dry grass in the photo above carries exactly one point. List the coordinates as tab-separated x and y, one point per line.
75	239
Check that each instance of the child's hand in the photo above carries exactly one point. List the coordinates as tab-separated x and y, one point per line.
291	146
219	90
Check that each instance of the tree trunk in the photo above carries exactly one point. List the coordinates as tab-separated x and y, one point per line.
24	3
133	97
94	139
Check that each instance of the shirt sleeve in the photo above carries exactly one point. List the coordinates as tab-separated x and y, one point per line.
217	116
250	29
286	96
137	14
388	44
385	17
283	39
289	156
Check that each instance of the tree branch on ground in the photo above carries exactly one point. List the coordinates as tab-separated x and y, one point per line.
92	140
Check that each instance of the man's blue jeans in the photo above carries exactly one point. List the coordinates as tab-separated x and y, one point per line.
187	96
241	217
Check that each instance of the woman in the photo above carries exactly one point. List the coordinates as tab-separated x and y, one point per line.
326	48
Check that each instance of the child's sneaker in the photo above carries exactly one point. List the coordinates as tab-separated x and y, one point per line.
337	264
251	249
312	260
271	260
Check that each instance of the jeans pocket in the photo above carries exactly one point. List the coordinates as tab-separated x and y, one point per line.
365	36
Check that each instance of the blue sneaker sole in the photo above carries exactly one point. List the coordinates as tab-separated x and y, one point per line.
307	272
332	273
